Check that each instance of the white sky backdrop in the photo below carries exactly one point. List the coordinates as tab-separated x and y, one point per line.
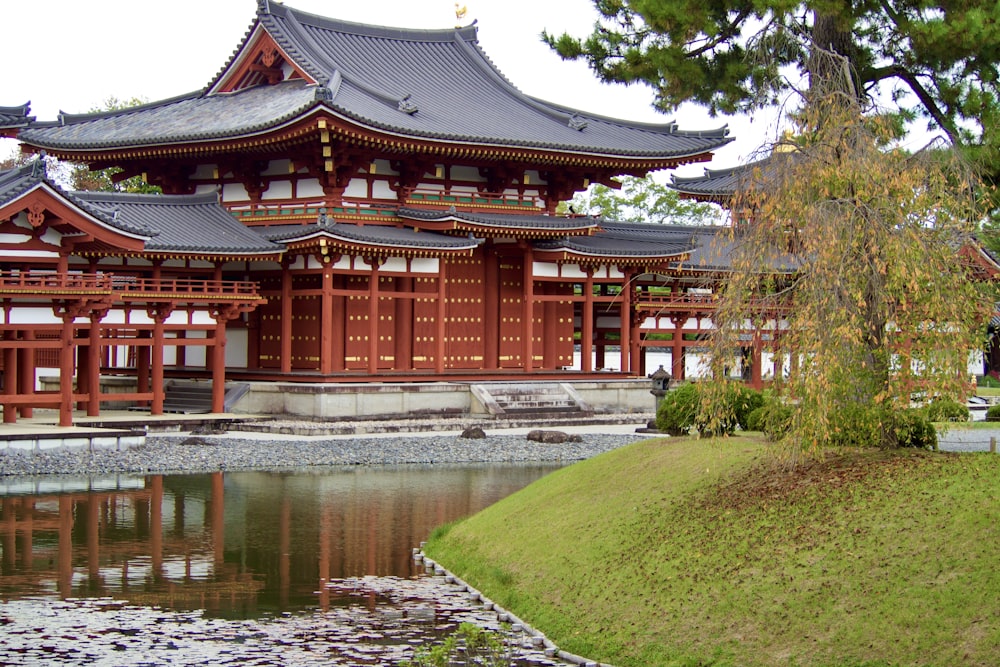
71	55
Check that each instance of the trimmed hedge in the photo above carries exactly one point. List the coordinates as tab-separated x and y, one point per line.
947	410
678	409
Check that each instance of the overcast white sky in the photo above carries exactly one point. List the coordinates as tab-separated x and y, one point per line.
71	55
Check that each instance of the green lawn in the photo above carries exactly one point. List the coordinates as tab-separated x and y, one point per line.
688	552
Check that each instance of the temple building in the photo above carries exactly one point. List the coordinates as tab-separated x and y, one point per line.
342	202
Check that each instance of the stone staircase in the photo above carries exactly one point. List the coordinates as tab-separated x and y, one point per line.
530	400
190	397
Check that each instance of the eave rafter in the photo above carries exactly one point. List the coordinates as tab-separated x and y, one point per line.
335	248
332	130
664	266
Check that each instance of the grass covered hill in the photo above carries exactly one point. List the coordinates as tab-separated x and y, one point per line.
693	552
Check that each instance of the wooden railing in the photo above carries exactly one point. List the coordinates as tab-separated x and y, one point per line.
128	287
699	302
51	283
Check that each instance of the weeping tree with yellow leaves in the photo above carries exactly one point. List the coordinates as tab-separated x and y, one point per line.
848	259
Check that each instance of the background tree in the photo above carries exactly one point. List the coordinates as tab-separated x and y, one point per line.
859	243
938	61
82	178
641	200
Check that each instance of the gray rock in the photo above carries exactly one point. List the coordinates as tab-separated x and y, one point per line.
474	433
551	437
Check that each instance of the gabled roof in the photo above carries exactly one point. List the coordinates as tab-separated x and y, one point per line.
14	118
631	241
179	224
361	237
415	84
514	224
717	185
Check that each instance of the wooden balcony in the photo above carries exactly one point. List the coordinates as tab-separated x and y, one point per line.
54	285
130	289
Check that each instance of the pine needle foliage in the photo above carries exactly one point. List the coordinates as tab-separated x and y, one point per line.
857	247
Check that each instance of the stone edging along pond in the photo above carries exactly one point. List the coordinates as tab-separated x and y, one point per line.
538	639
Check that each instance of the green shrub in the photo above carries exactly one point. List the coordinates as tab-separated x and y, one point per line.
947	410
717	409
855	425
776	419
993	413
868	426
912	428
747	400
678	409
755	420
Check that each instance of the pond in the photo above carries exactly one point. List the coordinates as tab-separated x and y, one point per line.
235	568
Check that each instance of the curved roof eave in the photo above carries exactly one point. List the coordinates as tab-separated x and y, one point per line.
86	212
329	233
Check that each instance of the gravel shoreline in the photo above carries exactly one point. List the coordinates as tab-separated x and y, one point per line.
179	453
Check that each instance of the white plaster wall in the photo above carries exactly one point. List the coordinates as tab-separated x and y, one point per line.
308	187
237	348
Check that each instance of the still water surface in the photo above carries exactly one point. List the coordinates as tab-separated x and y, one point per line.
292	554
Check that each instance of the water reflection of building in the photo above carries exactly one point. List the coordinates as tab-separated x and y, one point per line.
240	544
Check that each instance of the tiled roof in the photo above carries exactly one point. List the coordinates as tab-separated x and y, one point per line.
19	181
166	223
373	235
188	118
502	220
434	84
180	223
15	117
634	240
722	184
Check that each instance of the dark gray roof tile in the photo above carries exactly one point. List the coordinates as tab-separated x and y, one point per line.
503	220
179	223
15	117
371	235
187	118
435	84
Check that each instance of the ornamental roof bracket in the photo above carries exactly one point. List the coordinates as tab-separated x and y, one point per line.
578	123
324	222
328	92
38	168
408	106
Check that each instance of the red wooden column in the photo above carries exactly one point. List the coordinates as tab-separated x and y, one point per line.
528	311
373	328
326	325
94	364
26	372
587	323
66	369
286	319
221	314
10	378
159	314
491	312
677	352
